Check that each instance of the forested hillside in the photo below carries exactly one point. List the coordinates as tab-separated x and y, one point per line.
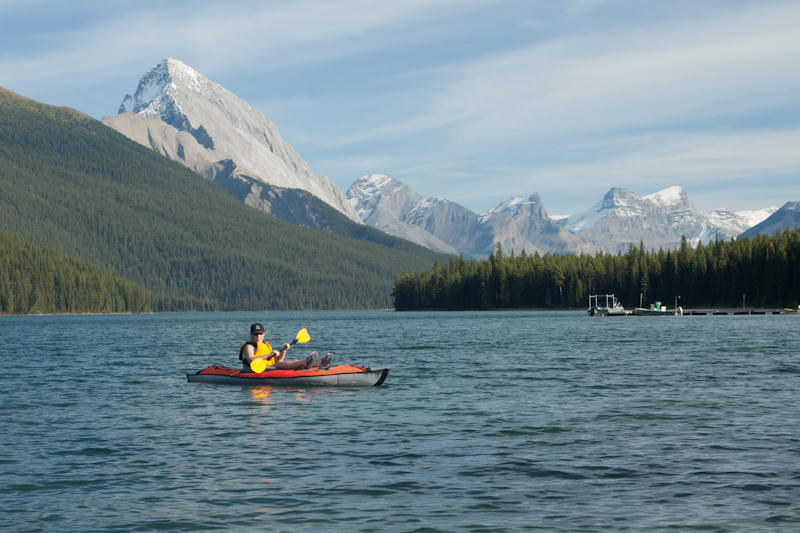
765	269
40	280
70	183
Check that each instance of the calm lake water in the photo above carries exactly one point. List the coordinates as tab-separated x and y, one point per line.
496	421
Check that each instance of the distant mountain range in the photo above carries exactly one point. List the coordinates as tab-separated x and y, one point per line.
621	218
183	115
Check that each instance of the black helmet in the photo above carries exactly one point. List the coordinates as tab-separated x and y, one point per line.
256	328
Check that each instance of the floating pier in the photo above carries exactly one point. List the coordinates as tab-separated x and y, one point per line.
609	305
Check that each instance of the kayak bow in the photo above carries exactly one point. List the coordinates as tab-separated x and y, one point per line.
335	376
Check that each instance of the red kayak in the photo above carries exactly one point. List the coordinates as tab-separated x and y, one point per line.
334	376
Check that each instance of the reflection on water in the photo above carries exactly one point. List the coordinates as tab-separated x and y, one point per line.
261	395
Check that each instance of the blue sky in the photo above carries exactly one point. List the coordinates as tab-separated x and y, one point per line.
473	101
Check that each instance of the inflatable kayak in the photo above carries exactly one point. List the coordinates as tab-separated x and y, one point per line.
334	376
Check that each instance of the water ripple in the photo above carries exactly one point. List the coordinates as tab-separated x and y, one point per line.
570	424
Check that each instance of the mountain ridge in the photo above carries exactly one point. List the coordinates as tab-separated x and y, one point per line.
619	219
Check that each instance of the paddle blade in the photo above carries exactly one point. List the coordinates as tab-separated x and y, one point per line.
302	336
258	365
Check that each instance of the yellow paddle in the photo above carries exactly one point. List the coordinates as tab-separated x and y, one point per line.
258	365
302	337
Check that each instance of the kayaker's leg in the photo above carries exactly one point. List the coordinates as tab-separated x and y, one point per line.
314	362
308	362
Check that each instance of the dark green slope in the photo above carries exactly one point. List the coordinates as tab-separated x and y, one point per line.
41	280
71	183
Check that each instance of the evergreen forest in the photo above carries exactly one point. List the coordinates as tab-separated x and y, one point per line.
763	271
69	183
40	280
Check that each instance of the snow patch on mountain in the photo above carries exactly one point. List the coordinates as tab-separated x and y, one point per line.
617	202
787	217
668	197
510	207
753	217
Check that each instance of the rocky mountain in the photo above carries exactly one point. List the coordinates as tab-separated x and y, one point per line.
787	217
518	224
186	117
623	218
620	219
659	220
523	224
393	207
727	224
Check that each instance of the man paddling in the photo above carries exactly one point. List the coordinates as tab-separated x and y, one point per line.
257	348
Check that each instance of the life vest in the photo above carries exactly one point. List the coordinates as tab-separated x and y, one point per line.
261	349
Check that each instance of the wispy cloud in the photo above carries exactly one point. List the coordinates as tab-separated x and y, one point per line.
218	37
470	100
657	76
661	103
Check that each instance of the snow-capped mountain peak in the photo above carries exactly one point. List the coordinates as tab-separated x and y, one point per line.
372	185
225	128
158	86
617	202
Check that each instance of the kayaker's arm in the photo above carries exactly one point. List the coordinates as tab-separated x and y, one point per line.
248	354
282	353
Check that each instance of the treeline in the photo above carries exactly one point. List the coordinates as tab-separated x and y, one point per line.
73	184
765	269
40	280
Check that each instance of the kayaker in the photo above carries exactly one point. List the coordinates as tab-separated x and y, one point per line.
257	348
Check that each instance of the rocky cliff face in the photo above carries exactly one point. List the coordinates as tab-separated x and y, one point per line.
185	116
523	224
393	207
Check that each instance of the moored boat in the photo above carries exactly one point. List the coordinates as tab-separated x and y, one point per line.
609	307
657	309
334	376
